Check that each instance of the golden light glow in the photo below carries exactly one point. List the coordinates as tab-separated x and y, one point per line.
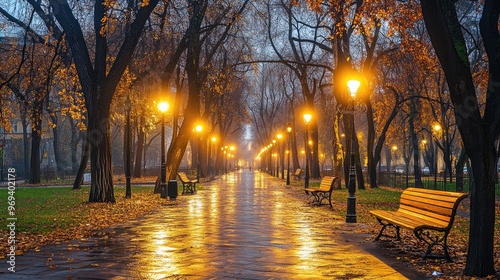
424	141
437	127
214	139
394	147
279	136
353	86
199	128
289	129
307	117
163	106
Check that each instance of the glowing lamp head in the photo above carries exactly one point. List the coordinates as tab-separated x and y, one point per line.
307	117
163	106
353	86
198	128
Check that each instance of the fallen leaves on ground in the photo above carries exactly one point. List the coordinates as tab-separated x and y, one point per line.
99	216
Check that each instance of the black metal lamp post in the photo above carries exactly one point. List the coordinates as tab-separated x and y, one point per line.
128	108
163	107
198	129
307	119
288	140
351	109
437	129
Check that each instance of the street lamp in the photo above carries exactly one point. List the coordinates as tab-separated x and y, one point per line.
351	108
289	139
128	108
198	129
307	118
437	129
163	107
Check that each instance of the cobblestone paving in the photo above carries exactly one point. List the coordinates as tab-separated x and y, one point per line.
245	225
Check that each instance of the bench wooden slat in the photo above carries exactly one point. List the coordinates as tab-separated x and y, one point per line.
437	209
431	199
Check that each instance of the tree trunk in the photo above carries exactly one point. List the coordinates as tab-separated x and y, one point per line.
414	142
75	135
359	166
462	159
57	147
141	137
26	147
36	138
101	187
77	184
35	156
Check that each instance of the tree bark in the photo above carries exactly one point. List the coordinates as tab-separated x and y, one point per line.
414	142
36	138
77	184
101	187
141	137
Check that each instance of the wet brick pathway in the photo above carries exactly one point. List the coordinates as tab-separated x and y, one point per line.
245	225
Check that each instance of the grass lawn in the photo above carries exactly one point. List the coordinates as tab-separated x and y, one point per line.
52	214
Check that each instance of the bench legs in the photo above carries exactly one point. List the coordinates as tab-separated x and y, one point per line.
320	196
423	235
384	226
188	187
434	240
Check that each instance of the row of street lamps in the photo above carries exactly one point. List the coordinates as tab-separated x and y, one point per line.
163	108
351	107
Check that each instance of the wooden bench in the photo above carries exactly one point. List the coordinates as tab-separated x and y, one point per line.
428	213
297	174
188	185
324	191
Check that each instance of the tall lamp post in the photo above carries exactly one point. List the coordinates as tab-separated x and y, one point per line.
437	129
288	140
351	108
163	107
307	118
128	108
198	129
